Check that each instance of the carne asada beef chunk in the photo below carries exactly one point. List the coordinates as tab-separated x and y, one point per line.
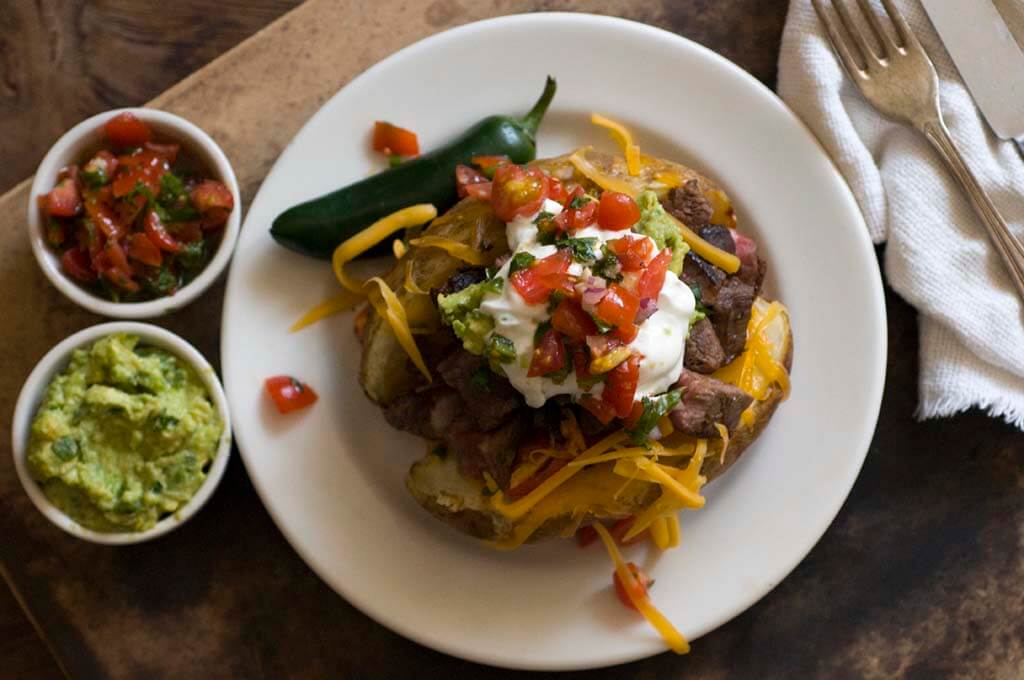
493	452
426	414
698	271
707	401
730	315
688	204
489	397
704	353
752	267
459	280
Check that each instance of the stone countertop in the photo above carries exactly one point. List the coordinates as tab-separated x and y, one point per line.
921	575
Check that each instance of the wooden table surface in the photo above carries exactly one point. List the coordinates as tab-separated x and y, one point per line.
921	575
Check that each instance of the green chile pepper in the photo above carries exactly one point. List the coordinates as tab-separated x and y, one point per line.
318	226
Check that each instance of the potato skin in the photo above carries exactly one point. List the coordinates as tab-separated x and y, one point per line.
470	513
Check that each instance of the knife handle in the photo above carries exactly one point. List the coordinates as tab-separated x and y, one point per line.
1010	249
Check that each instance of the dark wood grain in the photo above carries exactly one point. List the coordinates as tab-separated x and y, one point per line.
62	61
920	576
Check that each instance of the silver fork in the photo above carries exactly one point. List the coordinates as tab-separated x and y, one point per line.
902	84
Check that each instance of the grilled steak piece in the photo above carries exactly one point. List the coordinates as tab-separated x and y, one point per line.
707	401
704	353
688	204
489	397
730	315
459	280
493	452
752	267
426	414
720	237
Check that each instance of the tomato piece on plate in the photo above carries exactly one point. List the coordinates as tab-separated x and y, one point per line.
643	582
289	394
548	355
157	233
76	263
391	139
620	386
617	211
517	191
653	277
125	129
570	320
64	199
145	251
633	252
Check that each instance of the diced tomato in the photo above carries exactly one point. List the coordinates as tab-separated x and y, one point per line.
618	307
120	278
64	199
56	232
481	190
212	195
585	536
142	249
117	257
68	171
391	139
465	177
536	283
550	467
621	527
102	216
186	232
289	394
557	191
517	191
144	168
653	277
486	163
128	210
643	582
600	409
125	129
633	253
168	151
580	212
548	355
617	211
76	263
156	232
581	366
570	320
103	165
620	386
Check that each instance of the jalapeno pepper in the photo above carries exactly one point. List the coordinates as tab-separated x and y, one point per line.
316	227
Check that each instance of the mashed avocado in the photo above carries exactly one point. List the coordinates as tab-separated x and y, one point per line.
124	435
660	226
460	310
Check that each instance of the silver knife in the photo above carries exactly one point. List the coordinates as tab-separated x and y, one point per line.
990	61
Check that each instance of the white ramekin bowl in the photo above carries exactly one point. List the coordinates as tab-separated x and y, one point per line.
87	136
56	360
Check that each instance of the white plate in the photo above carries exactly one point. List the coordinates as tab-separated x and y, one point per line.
332	477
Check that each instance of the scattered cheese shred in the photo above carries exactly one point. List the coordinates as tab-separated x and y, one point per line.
606	182
398	248
454	248
675	641
631	452
657	474
672	521
689	477
374	234
723	432
342	302
392	310
518	508
716	256
624	139
659	533
410	281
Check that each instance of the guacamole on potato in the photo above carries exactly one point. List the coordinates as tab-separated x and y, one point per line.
124	435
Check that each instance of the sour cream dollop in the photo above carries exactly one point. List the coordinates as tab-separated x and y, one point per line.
660	341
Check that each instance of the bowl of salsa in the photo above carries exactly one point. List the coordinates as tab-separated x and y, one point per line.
134	213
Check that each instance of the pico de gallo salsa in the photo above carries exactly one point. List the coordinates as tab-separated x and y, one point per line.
139	218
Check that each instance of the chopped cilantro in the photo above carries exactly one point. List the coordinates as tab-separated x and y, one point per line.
654	409
174	201
520	261
499	350
578	202
93	179
584	250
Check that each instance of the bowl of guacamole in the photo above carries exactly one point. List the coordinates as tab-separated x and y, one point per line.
121	433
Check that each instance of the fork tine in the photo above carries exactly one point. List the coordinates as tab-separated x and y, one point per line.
838	41
853	30
902	27
886	42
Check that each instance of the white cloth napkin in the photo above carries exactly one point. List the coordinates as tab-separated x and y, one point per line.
937	257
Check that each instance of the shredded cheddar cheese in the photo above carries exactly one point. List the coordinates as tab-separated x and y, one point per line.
374	234
659	533
454	248
675	641
624	139
606	182
342	302
672	521
392	310
398	248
